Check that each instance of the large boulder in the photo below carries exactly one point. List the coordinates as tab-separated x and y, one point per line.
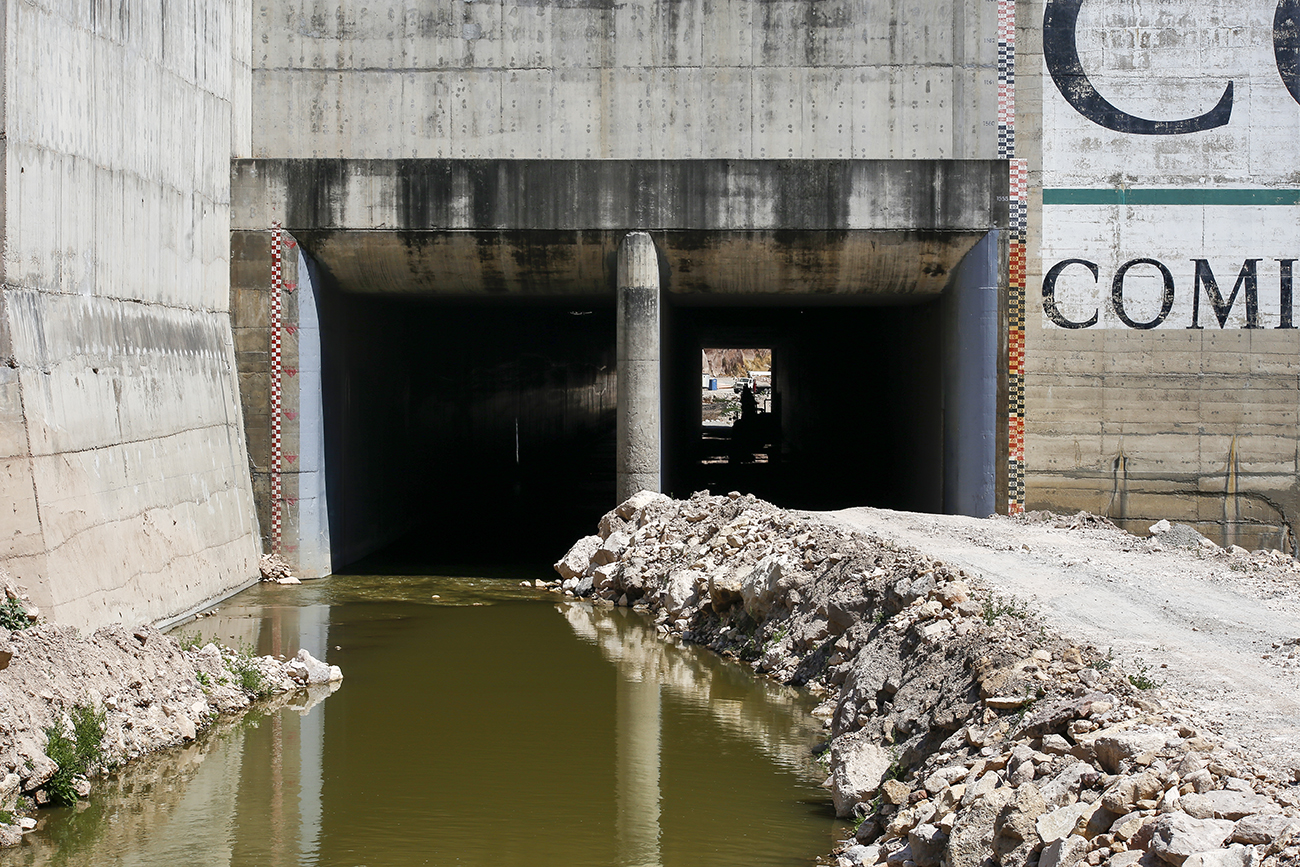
1015	837
1115	744
758	587
928	844
1226	804
637	502
1064	821
575	563
860	767
1178	836
611	549
307	669
724	589
10	788
1264	828
1066	785
971	841
680	592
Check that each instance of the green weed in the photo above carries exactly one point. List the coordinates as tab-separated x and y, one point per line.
75	752
13	617
248	677
1102	664
190	640
998	606
1143	680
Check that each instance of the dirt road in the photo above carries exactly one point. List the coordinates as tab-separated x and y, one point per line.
1220	629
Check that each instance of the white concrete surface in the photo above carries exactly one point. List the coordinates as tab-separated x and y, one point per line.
648	79
120	438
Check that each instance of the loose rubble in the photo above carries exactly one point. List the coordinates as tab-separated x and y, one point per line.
276	569
961	731
153	693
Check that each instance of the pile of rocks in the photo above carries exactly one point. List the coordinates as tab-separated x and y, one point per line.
275	568
154	694
962	733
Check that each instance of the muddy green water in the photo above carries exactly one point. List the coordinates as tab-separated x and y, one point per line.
478	724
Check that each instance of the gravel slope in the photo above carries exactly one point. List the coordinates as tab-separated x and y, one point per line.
1221	628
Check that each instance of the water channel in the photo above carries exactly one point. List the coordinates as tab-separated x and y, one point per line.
479	723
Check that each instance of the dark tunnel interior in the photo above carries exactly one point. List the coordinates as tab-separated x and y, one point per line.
484	431
856	410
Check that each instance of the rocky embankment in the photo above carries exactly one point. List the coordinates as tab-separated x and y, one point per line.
962	732
147	691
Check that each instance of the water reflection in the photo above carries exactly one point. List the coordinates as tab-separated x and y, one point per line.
472	729
770	717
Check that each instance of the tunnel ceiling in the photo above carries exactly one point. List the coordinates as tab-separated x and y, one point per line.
756	228
695	263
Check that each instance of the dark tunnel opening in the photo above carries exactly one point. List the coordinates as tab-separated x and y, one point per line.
465	432
856	415
477	432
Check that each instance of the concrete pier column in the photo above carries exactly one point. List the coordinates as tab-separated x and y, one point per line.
638	451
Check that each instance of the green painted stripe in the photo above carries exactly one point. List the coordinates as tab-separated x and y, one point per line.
1170	197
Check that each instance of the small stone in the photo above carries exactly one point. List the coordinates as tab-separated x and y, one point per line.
927	842
895	791
1128	858
935	630
900	857
952	593
1065	852
1235	855
1062	822
943	777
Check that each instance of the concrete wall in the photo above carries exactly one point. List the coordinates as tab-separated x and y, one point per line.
646	79
1152	397
122	462
550	227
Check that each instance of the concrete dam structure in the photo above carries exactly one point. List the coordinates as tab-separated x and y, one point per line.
314	277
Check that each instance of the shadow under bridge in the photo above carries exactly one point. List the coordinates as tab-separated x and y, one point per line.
486	355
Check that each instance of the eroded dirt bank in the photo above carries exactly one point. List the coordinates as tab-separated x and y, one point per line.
147	691
963	728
